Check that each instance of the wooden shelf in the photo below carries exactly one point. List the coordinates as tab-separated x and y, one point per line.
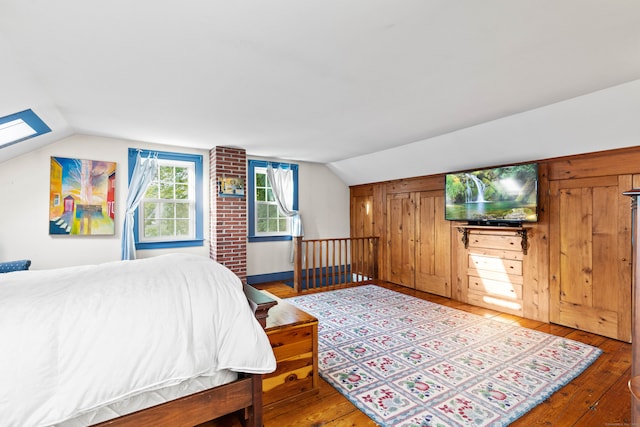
520	231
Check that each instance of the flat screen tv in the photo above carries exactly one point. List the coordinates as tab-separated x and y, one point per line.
505	195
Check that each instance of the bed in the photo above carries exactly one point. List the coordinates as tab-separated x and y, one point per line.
169	340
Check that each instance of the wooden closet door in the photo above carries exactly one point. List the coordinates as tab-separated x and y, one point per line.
590	245
401	239
433	245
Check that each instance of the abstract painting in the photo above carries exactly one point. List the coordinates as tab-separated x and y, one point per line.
82	197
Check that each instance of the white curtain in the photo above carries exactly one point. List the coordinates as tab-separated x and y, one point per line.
143	173
281	180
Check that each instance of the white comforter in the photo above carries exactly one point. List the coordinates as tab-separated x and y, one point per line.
74	339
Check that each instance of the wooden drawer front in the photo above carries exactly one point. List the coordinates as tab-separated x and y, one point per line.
505	242
291	342
507	266
495	275
516	255
495	288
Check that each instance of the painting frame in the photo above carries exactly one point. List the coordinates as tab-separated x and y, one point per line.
231	187
82	197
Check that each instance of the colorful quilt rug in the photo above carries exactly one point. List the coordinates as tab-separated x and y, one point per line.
408	362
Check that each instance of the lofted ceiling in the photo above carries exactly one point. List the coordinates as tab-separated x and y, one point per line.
308	80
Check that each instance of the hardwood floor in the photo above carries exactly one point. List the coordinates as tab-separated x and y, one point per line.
598	397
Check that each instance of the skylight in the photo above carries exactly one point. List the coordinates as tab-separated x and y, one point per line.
20	126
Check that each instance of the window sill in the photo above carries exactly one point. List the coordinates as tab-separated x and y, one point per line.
253	239
172	244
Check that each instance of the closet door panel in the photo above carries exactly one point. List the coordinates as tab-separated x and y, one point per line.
433	245
401	239
590	281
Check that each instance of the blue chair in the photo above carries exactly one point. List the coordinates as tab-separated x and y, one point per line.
9	266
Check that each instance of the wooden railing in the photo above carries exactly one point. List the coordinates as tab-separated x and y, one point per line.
327	263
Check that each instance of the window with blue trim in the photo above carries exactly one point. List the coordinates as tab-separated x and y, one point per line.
266	222
170	214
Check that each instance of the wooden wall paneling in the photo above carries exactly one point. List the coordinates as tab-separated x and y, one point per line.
610	163
554	254
380	228
459	275
362	215
535	271
411	185
367	218
535	264
361	190
624	260
442	247
541	265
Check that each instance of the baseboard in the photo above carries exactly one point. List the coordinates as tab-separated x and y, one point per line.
285	277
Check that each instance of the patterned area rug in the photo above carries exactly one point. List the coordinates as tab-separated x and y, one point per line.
408	362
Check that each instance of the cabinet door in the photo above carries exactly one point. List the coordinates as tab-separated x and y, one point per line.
401	239
590	283
433	245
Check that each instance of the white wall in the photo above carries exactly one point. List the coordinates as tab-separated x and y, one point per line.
24	210
598	121
323	202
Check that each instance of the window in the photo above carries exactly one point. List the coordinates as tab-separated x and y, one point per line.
20	126
266	222
171	213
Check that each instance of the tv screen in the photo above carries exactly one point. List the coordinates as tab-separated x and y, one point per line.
505	195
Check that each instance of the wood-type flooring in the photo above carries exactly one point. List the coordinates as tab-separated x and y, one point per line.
597	397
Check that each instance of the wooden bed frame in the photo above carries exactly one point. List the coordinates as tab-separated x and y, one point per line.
243	396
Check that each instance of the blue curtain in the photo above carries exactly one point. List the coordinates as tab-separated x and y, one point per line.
143	173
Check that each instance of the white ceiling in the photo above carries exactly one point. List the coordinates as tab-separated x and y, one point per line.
308	80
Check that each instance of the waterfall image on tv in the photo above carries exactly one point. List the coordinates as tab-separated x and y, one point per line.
506	195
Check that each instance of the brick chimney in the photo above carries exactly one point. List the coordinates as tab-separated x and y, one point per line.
228	216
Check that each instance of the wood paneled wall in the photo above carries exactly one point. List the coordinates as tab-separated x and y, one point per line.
549	239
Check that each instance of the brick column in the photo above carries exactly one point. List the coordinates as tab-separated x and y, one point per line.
228	216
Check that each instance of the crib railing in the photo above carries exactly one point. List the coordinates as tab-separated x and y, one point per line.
328	263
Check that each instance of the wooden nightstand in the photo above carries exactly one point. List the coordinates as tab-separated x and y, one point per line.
294	338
